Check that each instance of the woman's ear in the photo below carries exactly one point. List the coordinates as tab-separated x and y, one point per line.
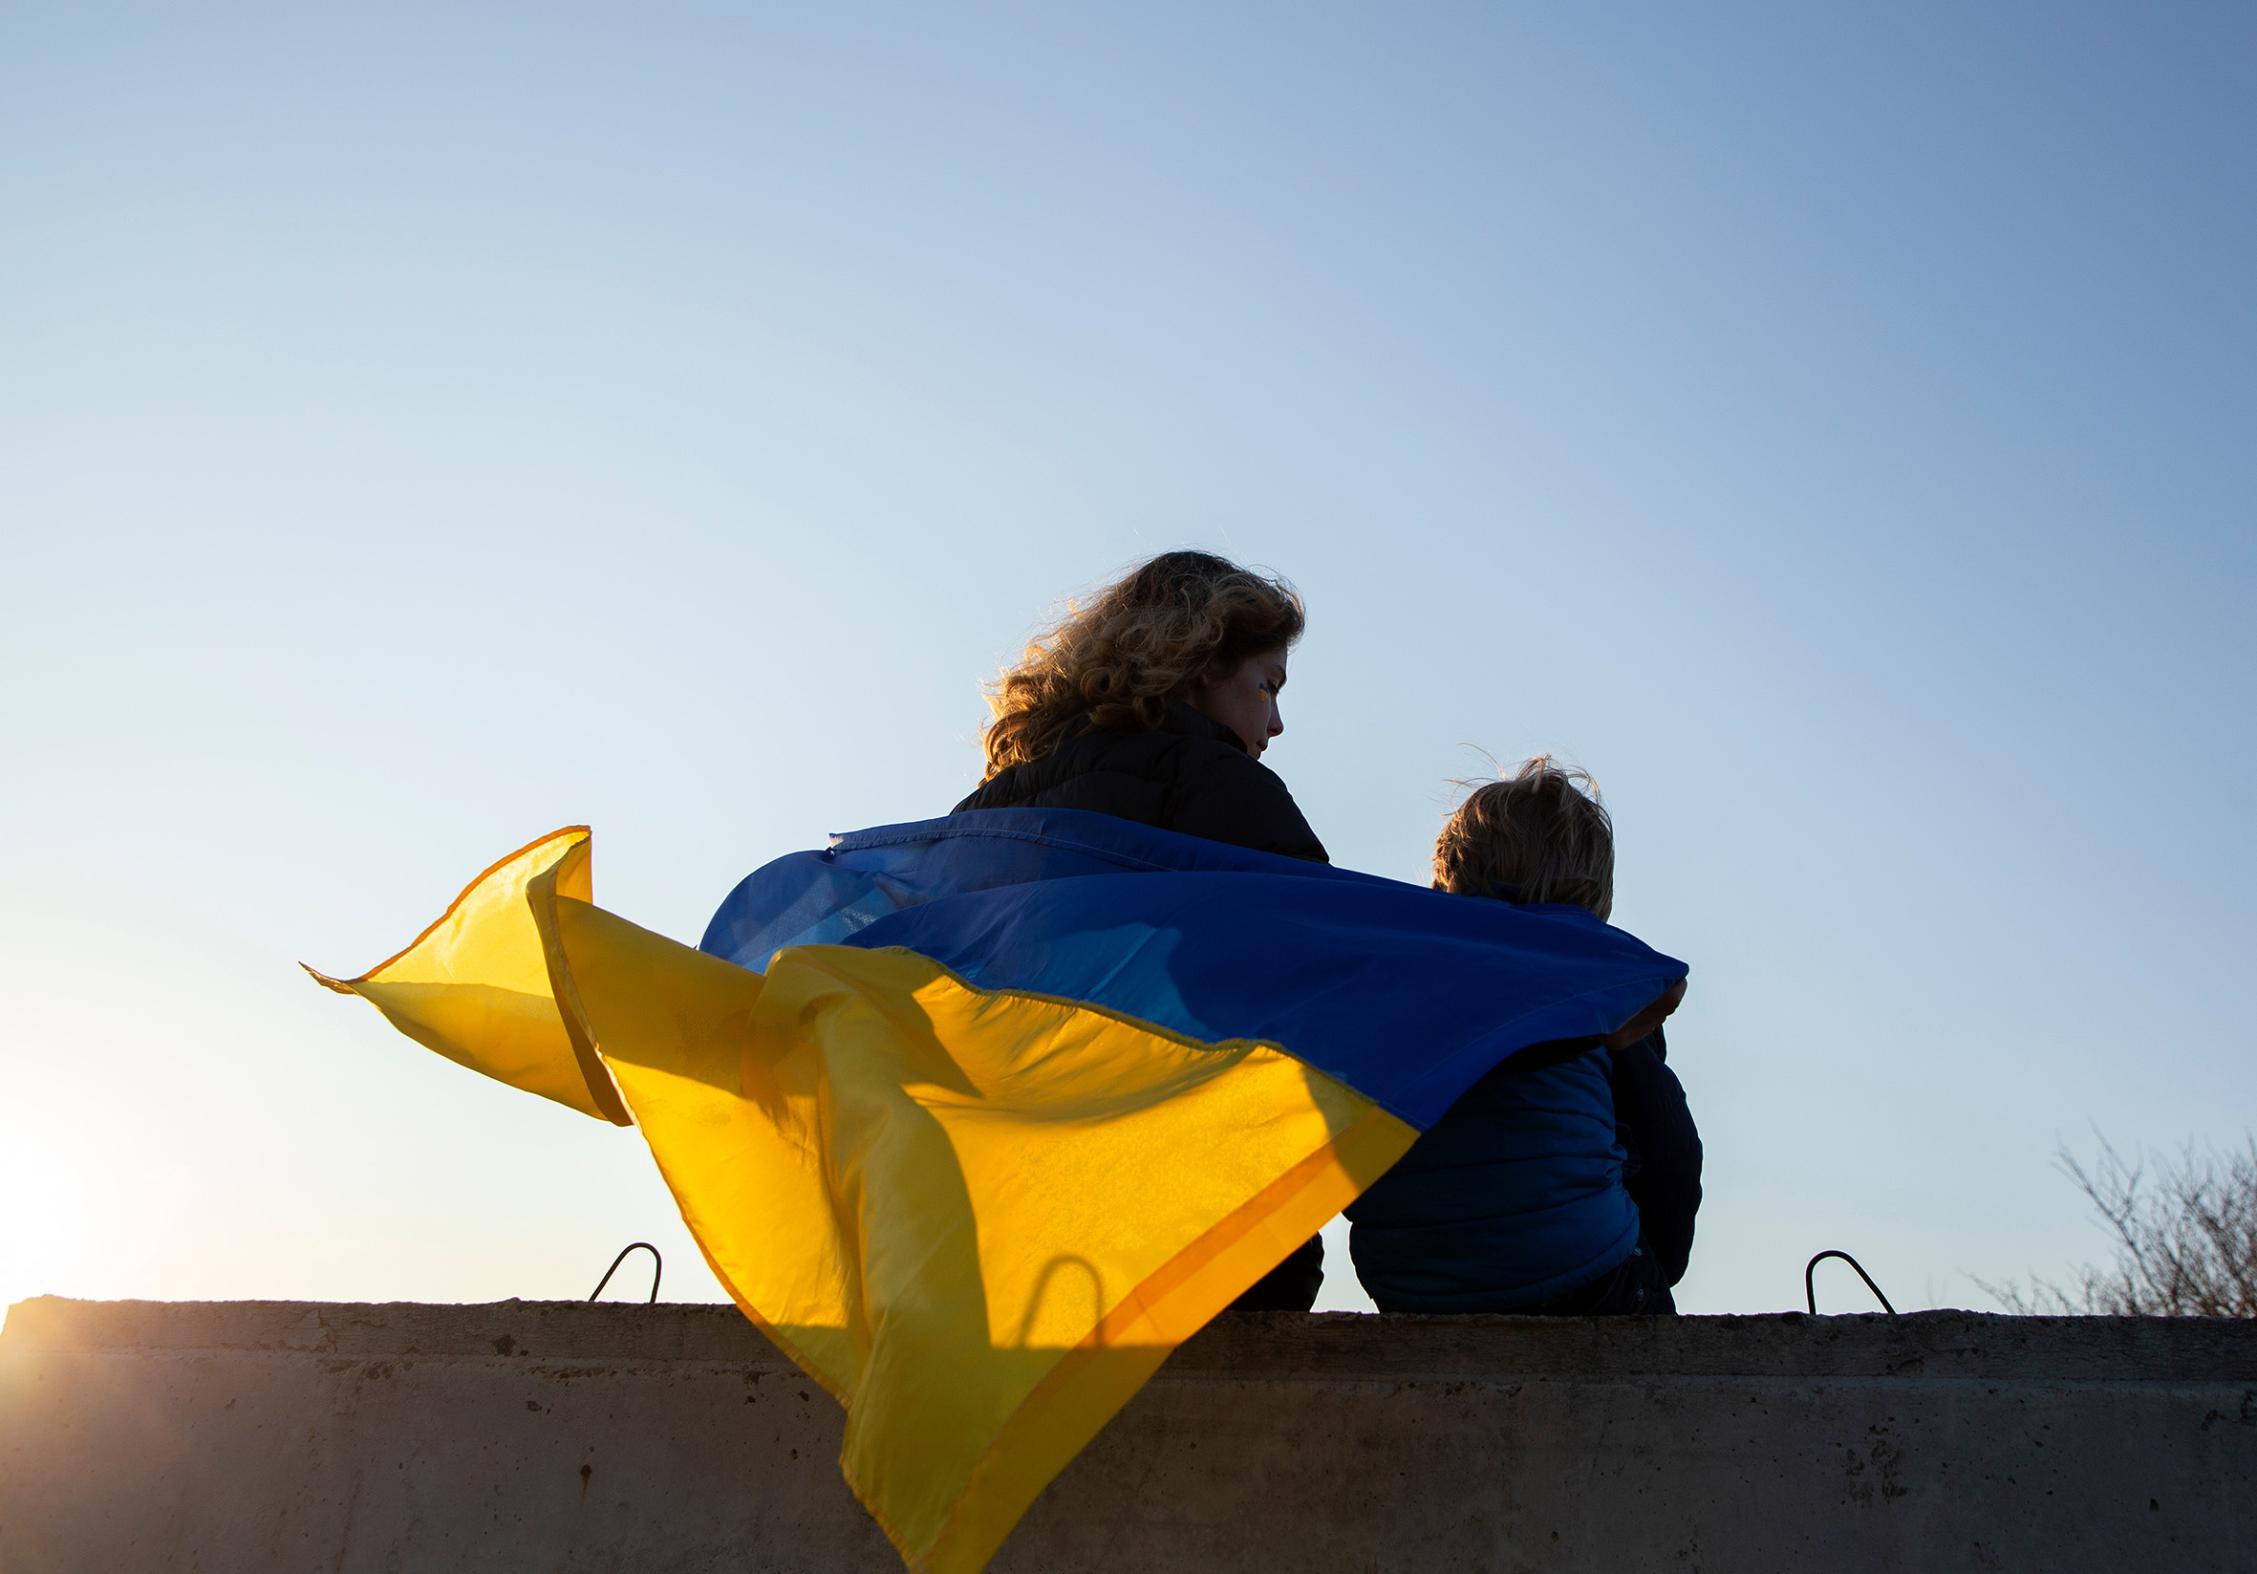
1198	684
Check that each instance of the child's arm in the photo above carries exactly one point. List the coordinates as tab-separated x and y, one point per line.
1656	1129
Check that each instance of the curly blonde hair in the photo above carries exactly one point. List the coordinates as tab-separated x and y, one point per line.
1542	836
1116	663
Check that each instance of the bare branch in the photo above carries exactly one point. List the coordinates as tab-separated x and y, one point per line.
2185	1240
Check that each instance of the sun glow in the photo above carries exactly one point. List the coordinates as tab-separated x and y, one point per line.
48	1237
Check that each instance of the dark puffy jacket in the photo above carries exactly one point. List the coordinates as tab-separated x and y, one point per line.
1190	774
1512	1199
1656	1131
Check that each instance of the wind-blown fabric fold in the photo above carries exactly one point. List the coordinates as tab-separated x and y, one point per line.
979	1118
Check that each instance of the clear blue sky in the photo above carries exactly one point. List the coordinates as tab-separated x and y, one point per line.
425	427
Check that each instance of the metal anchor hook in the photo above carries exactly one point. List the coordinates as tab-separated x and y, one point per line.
1809	1285
657	1270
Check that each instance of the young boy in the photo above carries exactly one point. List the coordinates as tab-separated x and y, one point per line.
1562	1183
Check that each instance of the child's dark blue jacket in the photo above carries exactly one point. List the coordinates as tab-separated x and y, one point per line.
1523	1191
1664	1169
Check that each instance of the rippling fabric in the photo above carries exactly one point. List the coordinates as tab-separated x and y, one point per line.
979	1118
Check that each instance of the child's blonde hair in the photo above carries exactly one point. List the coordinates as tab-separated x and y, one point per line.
1541	836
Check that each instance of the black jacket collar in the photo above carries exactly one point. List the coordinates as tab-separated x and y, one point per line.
1187	721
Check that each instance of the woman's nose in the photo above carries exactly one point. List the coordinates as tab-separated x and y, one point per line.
1277	719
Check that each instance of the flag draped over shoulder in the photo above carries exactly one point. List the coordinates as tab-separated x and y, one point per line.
979	1118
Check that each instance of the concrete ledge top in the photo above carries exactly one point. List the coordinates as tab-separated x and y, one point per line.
1329	1346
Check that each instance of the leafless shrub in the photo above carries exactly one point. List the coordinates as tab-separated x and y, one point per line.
2185	1235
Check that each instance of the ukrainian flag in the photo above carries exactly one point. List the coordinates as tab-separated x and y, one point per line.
979	1118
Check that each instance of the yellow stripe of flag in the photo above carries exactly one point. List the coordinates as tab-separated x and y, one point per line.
980	1218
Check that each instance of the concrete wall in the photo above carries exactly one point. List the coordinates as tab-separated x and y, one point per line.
249	1436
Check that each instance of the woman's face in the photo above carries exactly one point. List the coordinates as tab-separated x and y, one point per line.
1245	699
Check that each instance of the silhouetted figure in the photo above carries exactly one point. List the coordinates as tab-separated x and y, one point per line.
1563	1182
1155	703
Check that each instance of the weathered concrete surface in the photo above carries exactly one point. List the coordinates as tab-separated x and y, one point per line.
248	1436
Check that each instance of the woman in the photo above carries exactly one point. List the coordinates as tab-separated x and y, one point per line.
1155	703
